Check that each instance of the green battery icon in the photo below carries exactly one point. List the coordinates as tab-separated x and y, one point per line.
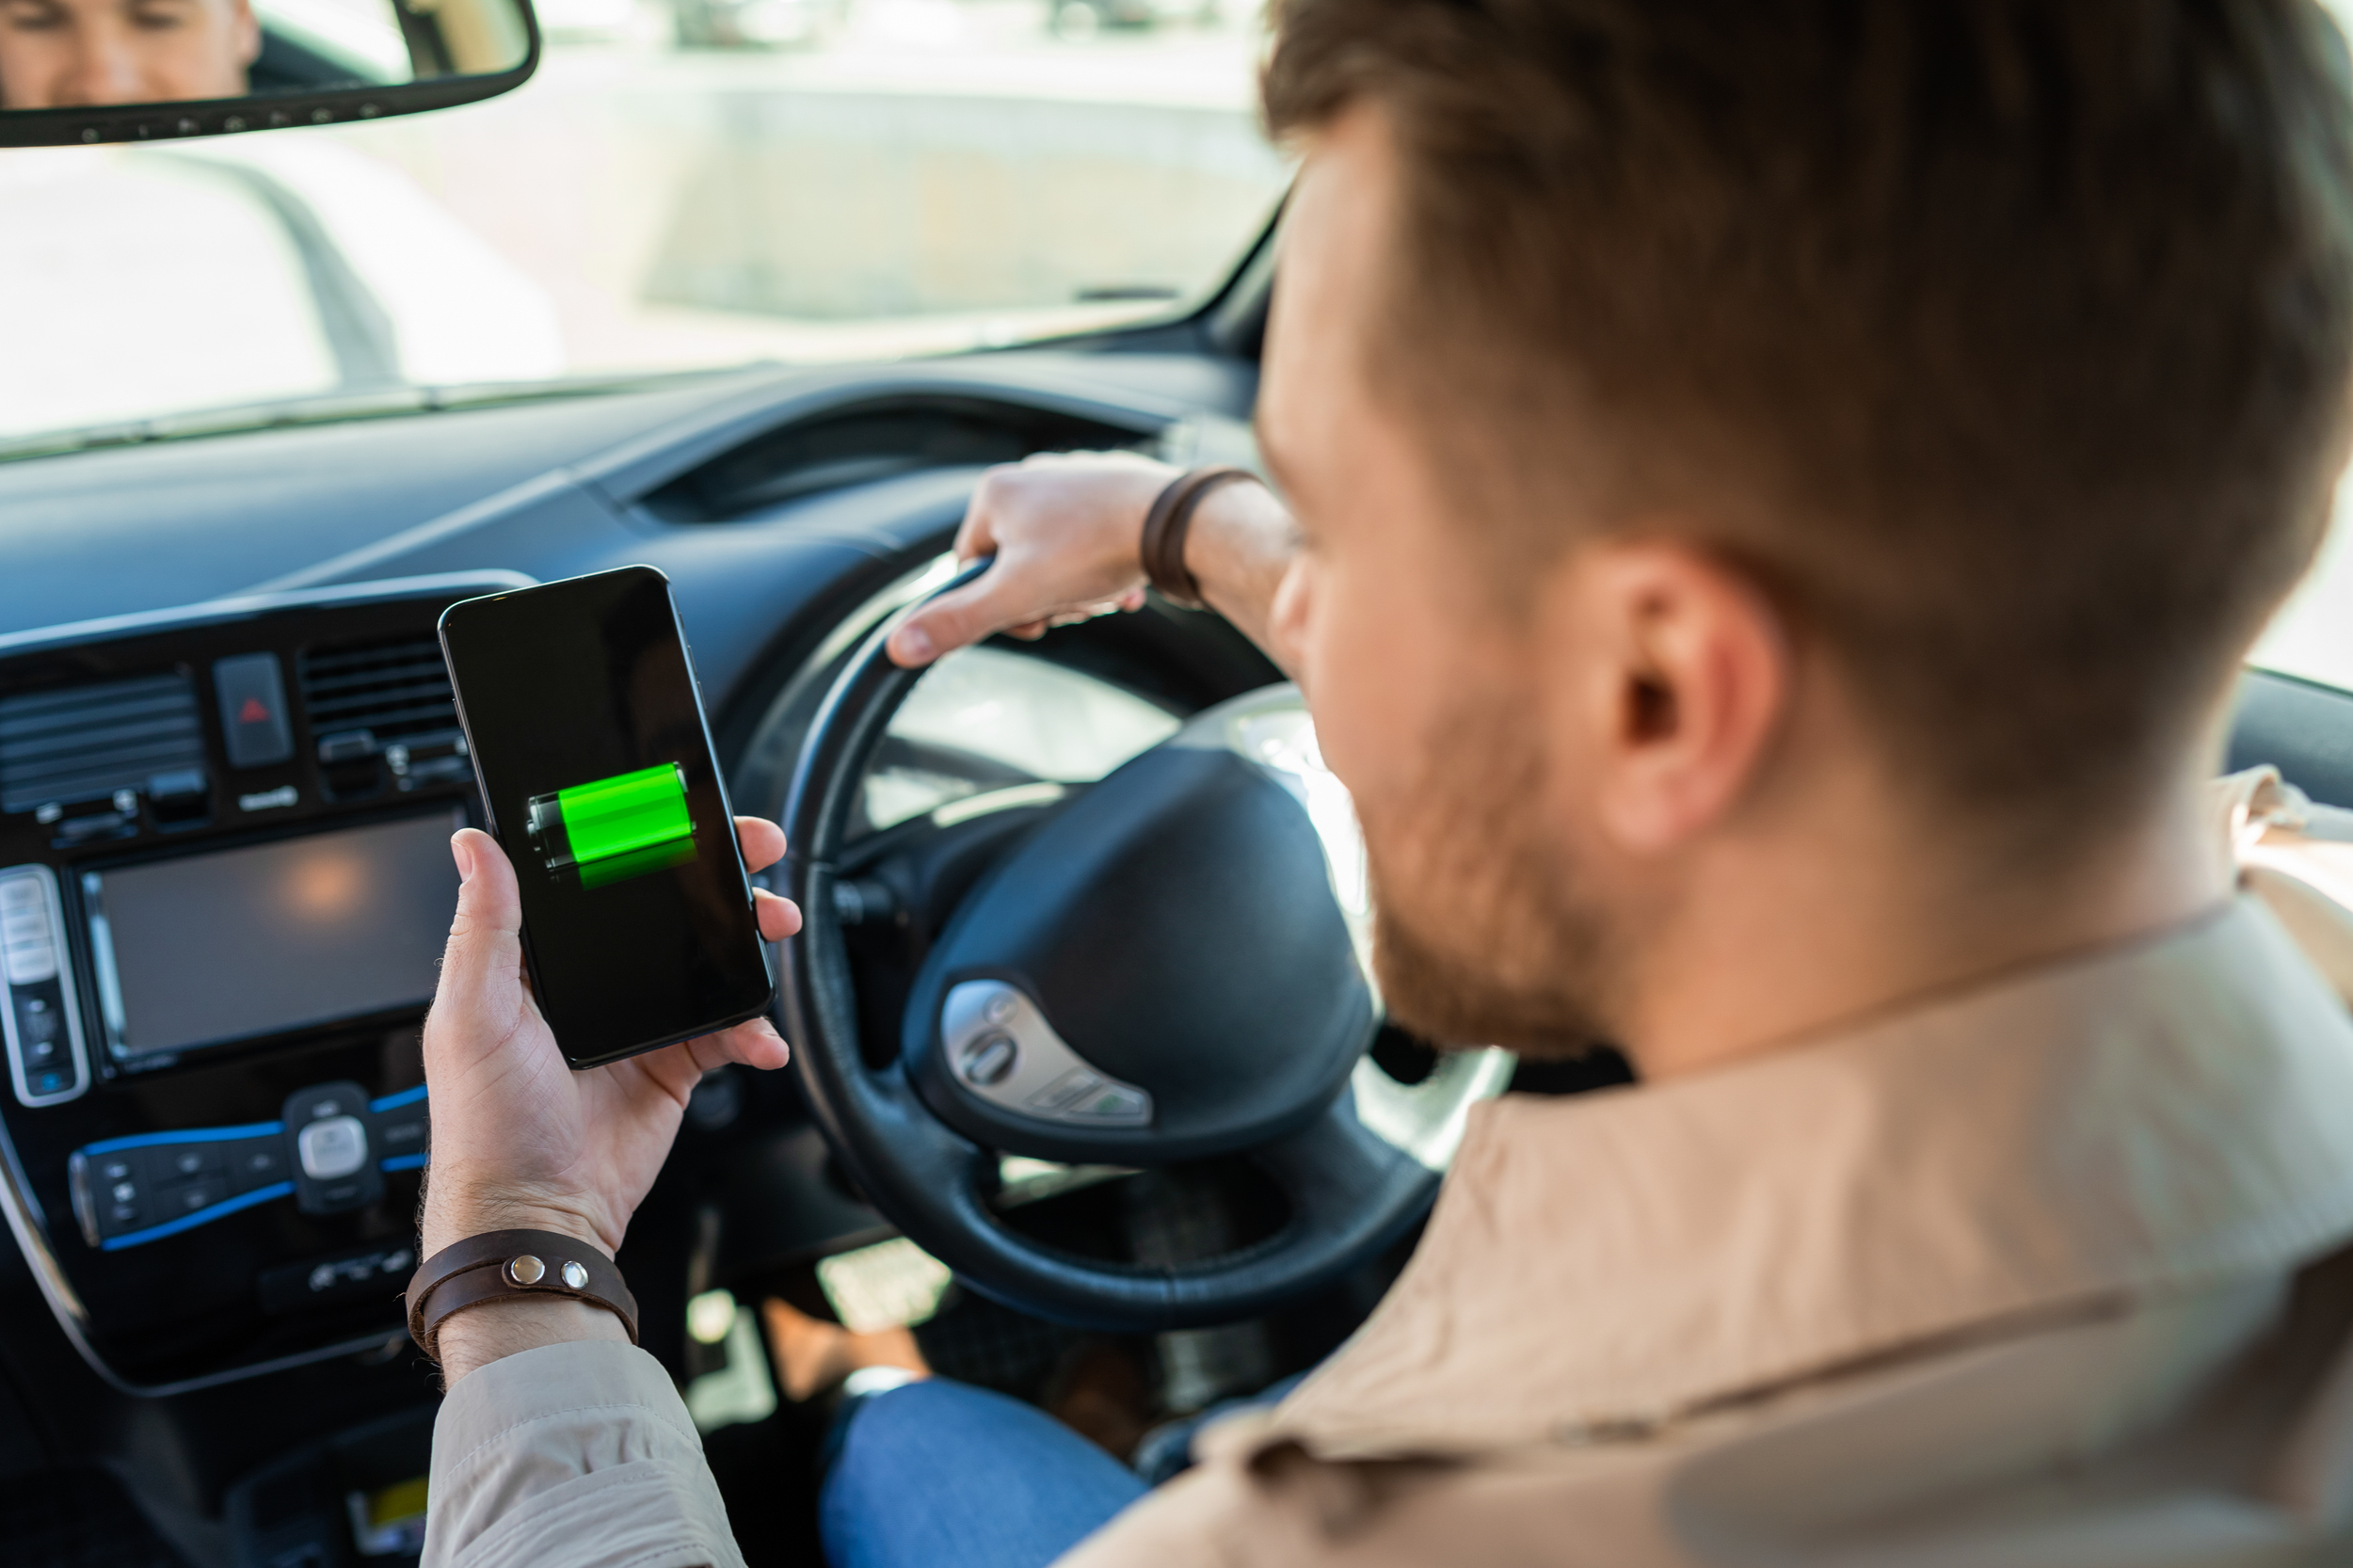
612	829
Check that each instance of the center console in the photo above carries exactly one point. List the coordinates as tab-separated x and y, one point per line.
224	887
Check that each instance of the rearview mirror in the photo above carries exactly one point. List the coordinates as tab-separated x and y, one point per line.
98	71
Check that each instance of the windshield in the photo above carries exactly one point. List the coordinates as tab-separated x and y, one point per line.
684	184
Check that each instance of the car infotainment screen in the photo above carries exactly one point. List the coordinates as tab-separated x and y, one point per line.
273	937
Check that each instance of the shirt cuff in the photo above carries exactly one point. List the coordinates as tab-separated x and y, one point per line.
581	1453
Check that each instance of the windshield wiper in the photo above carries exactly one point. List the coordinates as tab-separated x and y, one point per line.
331	408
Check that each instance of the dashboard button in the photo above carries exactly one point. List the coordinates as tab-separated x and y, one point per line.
30	961
332	1148
37	1025
253	710
190	1161
404	1132
190	1196
332	1161
255	1162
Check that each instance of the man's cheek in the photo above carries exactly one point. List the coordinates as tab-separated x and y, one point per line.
1366	693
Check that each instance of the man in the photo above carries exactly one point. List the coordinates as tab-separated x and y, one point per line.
1778	492
82	53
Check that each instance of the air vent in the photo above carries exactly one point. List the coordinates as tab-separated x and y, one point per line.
367	697
85	743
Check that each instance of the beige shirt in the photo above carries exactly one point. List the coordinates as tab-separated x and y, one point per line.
2041	1272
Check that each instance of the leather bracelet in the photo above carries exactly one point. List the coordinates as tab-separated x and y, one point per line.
504	1265
1165	527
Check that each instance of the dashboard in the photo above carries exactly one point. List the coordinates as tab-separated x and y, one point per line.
221	882
228	762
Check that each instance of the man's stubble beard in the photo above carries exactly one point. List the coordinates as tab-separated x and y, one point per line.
1480	936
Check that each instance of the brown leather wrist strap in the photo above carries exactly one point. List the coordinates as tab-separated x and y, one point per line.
501	1265
1165	527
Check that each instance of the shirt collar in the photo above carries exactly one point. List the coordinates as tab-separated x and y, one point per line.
2144	1119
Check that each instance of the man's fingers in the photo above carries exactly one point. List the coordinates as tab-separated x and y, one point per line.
482	966
762	842
756	1044
950	621
780	918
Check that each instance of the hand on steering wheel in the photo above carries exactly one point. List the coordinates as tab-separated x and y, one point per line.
519	1140
1065	528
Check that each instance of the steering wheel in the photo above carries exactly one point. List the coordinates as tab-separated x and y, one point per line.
1172	967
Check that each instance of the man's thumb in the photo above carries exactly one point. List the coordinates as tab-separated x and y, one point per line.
484	940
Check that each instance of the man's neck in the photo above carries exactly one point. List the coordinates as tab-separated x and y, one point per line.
1783	939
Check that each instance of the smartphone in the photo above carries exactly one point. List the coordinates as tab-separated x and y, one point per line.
588	739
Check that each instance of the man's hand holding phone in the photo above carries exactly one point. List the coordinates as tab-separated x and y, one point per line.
521	1141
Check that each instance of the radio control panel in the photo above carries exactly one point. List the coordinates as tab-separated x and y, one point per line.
329	1155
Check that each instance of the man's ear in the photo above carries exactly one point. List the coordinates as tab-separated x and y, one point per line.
1681	674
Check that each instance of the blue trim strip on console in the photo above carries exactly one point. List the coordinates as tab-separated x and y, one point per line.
405	1163
202	1216
393	1102
190	1135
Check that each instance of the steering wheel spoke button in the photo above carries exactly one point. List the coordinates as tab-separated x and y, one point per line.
1110	1102
990	1059
39	1019
335	1168
1005	1052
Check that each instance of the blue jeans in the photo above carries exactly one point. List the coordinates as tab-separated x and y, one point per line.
943	1475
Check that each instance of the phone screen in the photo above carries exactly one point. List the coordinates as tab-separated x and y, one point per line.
595	763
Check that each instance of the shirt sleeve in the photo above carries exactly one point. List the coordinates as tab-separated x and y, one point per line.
580	1453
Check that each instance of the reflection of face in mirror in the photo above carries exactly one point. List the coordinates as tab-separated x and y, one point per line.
87	54
70	53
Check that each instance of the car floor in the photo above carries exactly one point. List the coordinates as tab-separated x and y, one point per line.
77	1518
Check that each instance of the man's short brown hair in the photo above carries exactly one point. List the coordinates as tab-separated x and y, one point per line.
2005	342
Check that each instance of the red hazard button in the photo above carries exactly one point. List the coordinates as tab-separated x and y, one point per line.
253	710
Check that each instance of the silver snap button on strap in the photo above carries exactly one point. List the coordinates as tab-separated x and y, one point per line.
525	1269
575	1276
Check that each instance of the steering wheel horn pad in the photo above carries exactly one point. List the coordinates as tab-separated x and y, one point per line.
1175	926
